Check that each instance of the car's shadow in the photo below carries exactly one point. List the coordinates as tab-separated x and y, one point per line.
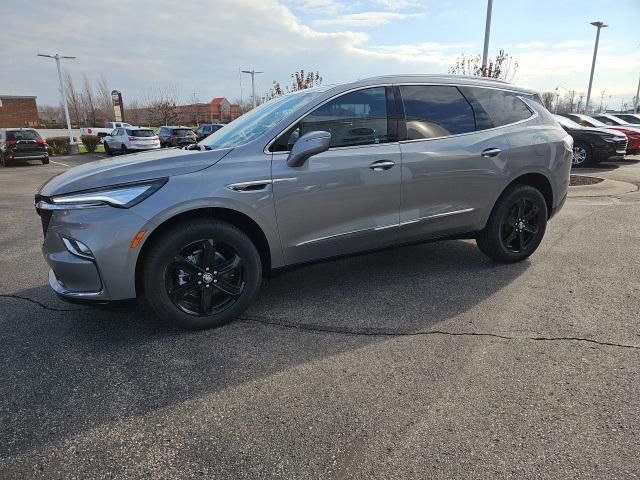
67	369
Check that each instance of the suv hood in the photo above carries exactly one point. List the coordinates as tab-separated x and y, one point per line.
132	168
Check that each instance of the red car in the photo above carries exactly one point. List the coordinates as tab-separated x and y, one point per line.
632	132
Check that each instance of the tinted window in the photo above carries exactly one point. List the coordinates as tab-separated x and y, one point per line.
22	135
356	118
606	120
182	132
629	118
500	107
436	111
140	133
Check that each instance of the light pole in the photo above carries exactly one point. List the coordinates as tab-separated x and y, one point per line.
253	85
599	26
487	31
636	100
63	94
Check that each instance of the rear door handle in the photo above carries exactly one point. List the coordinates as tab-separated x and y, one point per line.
381	165
490	152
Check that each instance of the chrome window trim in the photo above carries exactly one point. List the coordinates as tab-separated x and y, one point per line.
519	93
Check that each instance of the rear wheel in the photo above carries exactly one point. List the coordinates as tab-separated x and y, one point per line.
201	274
107	150
516	225
123	149
45	160
582	155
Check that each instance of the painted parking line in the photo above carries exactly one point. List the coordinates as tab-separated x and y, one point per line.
59	163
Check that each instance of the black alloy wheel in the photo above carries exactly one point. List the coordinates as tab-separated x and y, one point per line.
516	225
205	278
201	273
520	225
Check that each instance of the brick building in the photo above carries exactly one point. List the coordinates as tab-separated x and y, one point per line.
18	111
217	110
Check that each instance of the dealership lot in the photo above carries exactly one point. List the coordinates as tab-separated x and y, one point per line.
424	361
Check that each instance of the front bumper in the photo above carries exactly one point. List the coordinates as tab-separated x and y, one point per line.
108	272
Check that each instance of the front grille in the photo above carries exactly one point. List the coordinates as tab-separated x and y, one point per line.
621	144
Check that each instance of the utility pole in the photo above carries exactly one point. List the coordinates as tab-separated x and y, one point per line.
599	26
63	96
195	104
636	99
487	31
253	85
602	92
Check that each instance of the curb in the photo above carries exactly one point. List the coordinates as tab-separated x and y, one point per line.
606	188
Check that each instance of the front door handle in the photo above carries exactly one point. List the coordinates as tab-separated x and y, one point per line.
381	165
490	152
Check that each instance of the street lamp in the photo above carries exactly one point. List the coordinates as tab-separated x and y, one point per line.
63	94
487	31
599	26
253	85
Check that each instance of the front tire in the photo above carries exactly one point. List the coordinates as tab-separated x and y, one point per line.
582	155
516	225
201	274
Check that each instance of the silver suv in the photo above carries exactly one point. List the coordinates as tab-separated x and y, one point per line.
315	174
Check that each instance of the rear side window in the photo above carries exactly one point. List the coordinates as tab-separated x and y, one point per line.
22	135
498	107
355	118
606	120
436	111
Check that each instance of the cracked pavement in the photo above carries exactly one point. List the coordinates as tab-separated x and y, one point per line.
427	361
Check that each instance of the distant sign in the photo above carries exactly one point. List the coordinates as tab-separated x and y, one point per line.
118	110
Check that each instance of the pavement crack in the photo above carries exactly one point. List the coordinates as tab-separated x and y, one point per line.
42	305
391	333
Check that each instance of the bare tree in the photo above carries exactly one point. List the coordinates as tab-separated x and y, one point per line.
161	104
300	80
73	97
547	99
51	116
104	104
503	66
89	103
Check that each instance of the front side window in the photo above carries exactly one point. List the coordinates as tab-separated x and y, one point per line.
353	119
630	119
499	106
435	111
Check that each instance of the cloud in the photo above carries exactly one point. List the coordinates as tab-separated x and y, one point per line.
398	4
365	19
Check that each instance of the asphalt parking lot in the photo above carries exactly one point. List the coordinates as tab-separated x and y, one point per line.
427	361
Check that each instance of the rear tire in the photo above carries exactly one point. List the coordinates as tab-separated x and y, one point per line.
582	155
516	225
107	150
201	274
45	160
123	149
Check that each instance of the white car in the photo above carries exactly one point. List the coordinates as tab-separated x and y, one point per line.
132	139
631	118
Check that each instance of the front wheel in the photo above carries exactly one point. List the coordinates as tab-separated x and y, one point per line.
45	160
516	225
582	155
201	274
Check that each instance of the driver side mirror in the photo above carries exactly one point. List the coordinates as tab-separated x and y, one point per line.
308	145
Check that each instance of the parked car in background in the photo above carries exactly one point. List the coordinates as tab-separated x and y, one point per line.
20	145
206	129
132	139
102	132
175	136
630	118
632	133
309	175
592	145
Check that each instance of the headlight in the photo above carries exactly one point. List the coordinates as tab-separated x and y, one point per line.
120	196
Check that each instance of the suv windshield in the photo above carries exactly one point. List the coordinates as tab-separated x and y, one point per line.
254	123
140	133
22	135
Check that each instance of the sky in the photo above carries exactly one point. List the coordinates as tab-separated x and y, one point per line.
199	46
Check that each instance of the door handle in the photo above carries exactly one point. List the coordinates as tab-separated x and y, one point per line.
381	165
490	152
